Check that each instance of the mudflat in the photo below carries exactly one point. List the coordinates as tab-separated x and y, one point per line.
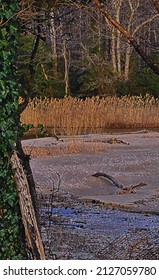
86	217
131	158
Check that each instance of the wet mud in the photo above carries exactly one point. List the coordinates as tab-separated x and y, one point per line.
75	230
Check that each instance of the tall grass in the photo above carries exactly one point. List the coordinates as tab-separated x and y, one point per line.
71	116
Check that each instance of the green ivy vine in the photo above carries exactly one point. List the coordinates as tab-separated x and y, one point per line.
12	240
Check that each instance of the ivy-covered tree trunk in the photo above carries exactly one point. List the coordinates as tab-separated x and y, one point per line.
12	239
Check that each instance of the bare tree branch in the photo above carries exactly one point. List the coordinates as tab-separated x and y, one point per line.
128	36
155	4
144	23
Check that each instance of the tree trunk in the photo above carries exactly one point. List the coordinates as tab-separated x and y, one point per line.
127	63
113	48
66	65
118	45
53	43
27	211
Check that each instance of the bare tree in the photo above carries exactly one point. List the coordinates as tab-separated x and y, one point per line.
128	35
110	33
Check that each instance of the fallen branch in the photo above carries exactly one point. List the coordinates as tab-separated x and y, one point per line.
112	179
115	141
131	132
122	188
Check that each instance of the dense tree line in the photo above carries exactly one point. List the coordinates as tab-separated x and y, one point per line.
79	51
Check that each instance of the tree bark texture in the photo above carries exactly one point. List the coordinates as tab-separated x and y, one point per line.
32	232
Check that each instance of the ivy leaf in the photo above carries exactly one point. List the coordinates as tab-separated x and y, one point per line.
26	127
3	43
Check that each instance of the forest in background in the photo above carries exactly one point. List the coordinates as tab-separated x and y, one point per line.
71	49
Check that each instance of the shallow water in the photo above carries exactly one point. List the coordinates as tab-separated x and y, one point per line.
94	232
104	220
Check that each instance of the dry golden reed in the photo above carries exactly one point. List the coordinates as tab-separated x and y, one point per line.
72	116
69	147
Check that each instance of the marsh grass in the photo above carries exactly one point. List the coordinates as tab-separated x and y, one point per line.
72	146
72	116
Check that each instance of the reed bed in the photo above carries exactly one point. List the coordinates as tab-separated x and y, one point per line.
72	116
68	147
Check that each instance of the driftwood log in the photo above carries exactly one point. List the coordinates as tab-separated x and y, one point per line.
122	189
132	132
115	141
32	232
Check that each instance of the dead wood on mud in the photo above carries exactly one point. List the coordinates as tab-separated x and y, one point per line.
122	188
